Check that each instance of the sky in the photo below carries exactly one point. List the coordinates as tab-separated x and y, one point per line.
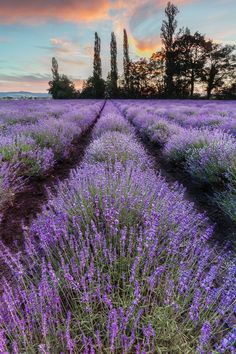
34	31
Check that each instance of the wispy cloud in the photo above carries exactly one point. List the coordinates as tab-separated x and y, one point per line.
32	82
22	78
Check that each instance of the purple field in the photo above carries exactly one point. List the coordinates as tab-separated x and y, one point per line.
118	259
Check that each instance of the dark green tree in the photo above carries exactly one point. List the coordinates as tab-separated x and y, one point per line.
220	66
126	61
228	91
157	68
97	65
142	78
61	87
168	30
114	71
95	85
190	59
55	73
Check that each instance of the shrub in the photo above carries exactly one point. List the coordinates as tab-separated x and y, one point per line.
111	122
115	146
211	163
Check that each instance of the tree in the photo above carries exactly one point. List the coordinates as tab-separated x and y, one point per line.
229	90
94	87
97	65
126	60
61	87
220	66
168	30
114	71
190	59
142	83
157	68
55	73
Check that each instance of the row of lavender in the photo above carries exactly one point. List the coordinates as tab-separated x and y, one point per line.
208	154
118	262
197	114
35	135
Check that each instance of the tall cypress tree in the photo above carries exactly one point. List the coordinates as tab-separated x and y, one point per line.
95	84
97	65
168	29
55	73
114	72
126	60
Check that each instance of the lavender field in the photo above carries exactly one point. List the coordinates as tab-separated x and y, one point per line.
116	258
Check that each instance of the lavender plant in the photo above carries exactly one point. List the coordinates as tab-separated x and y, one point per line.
115	146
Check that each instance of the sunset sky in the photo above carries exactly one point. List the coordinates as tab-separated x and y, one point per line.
33	31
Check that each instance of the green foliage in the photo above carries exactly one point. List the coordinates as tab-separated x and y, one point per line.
10	153
62	88
93	88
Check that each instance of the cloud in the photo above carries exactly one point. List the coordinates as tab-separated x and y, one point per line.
61	45
22	78
37	11
147	46
88	50
74	62
142	19
32	82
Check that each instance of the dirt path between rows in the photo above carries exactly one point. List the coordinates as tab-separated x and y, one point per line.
201	197
28	203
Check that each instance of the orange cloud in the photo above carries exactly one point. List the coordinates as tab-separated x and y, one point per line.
137	13
32	83
36	11
146	46
32	86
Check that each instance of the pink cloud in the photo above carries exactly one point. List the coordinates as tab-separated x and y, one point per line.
40	10
36	11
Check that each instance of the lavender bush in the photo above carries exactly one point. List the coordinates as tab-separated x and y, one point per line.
227	199
114	146
10	182
111	122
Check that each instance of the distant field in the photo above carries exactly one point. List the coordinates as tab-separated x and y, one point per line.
118	224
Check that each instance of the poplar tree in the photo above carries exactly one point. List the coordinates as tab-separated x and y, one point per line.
114	72
126	60
97	65
55	73
95	85
168	30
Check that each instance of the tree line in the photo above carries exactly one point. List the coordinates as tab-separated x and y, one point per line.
189	65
